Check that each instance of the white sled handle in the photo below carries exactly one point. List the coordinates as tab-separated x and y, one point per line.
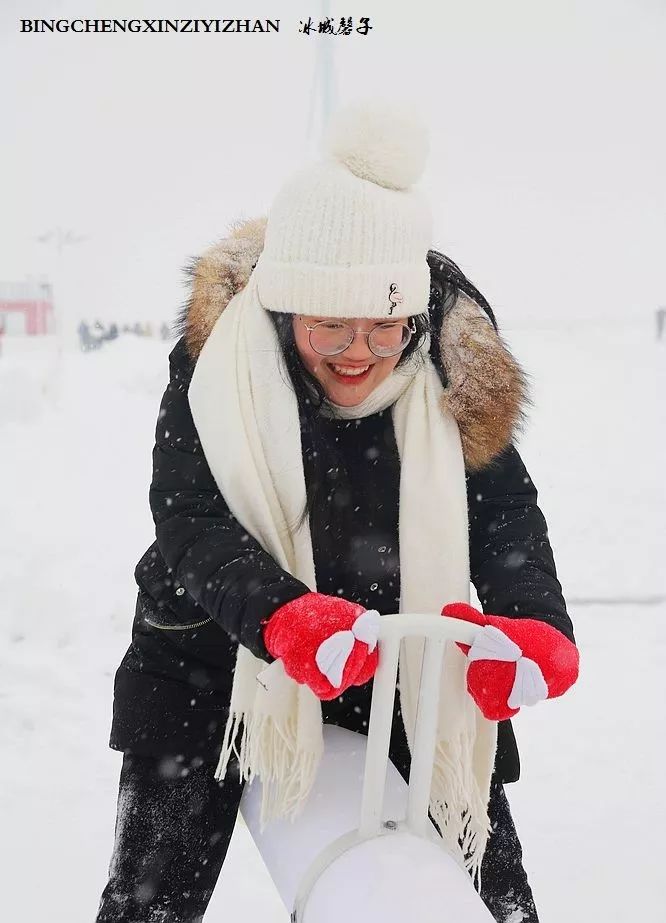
436	631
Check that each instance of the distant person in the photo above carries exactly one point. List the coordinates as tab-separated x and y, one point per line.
360	461
3	330
110	332
165	331
85	338
661	322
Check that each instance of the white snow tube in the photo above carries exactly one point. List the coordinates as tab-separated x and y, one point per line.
363	849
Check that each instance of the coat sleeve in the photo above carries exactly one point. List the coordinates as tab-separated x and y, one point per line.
511	560
223	568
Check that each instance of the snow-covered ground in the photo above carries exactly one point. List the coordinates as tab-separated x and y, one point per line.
75	464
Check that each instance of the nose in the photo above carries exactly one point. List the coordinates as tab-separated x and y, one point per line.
358	349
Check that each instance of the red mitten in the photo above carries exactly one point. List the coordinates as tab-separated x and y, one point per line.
324	642
514	662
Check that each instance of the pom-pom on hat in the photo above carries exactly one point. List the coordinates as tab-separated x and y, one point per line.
349	236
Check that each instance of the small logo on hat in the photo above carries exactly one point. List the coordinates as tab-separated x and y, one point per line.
394	296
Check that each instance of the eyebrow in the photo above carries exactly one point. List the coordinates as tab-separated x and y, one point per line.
346	320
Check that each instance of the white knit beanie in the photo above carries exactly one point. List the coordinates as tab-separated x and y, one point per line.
348	236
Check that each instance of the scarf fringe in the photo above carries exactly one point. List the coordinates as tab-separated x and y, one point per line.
464	826
268	751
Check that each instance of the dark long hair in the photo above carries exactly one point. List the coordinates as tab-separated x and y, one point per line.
447	281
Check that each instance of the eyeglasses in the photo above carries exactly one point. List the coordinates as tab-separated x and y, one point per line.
328	338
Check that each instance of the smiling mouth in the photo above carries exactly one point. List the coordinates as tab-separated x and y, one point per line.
350	374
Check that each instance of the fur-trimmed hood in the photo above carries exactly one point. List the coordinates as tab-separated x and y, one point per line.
486	390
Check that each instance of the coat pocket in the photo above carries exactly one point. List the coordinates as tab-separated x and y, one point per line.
165	603
163	627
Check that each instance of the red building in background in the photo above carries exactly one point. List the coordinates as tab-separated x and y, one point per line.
26	308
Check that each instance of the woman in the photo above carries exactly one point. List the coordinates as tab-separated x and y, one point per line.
335	439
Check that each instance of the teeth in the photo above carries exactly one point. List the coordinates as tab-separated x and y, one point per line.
347	370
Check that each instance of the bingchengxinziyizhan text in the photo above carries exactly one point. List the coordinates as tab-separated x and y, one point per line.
149	25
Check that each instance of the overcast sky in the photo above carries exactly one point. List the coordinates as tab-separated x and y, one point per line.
546	173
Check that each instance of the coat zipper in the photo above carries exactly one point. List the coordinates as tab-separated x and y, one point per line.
176	627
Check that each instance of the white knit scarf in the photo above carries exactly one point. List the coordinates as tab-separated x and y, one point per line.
246	415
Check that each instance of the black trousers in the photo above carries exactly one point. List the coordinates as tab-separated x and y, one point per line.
173	829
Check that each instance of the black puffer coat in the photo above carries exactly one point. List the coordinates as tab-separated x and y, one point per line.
205	584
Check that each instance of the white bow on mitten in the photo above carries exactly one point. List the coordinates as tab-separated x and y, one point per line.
529	685
333	653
